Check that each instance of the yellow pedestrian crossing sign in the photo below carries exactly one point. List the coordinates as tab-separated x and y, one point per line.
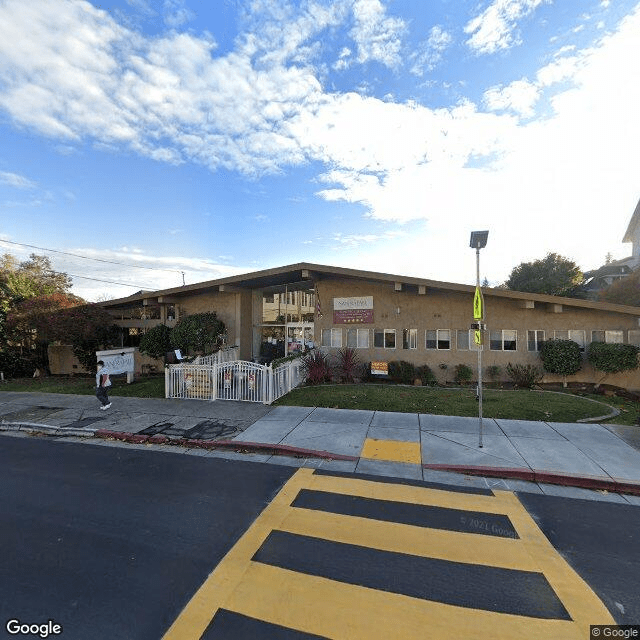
477	336
477	305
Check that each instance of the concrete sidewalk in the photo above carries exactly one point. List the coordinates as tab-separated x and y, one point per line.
578	460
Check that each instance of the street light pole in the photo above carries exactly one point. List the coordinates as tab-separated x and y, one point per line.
480	347
479	241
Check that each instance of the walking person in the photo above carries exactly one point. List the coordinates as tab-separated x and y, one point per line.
102	384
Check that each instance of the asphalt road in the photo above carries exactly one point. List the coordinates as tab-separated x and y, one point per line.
112	542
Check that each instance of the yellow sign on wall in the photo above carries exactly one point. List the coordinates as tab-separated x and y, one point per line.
477	336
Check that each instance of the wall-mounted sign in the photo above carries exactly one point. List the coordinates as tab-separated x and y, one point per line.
356	310
379	368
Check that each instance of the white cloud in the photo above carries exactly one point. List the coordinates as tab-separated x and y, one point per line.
430	53
15	180
377	36
496	27
520	96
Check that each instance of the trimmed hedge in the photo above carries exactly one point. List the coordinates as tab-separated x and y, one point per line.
612	357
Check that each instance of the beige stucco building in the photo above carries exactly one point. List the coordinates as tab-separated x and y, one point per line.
385	317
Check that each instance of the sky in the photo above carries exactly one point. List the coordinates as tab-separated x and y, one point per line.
147	143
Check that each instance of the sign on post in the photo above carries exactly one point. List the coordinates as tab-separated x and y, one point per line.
477	305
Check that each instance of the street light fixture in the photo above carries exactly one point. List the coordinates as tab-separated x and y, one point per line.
478	241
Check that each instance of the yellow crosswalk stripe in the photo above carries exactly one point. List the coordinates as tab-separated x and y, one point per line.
343	611
334	609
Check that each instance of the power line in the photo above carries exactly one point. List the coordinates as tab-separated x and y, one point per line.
75	255
133	286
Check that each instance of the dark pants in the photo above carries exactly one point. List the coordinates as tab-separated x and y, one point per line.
101	394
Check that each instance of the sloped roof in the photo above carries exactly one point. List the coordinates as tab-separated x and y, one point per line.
305	273
635	220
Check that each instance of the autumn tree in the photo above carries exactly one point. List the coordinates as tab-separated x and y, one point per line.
623	291
553	275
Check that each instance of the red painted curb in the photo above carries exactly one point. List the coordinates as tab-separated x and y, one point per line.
516	473
613	485
285	449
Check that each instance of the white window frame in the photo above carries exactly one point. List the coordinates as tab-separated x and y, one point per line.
470	339
609	335
561	337
502	339
582	343
335	338
633	337
390	332
410	339
362	338
536	340
438	340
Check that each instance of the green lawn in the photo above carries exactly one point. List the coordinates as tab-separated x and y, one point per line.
147	387
518	405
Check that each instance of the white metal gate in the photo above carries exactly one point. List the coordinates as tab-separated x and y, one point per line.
237	380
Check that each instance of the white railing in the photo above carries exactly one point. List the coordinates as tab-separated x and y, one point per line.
232	380
228	354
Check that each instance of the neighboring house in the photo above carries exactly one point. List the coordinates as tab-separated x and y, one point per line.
598	279
384	317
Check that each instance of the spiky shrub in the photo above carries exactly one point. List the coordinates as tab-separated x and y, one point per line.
348	365
316	367
525	376
463	374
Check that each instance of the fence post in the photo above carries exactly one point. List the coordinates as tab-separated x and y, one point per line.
215	380
167	381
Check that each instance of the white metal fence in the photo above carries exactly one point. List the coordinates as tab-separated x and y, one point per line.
234	380
228	354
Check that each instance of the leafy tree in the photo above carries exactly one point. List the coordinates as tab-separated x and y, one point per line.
553	275
156	342
561	357
198	332
612	357
623	291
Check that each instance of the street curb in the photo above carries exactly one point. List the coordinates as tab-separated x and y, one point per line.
613	485
235	445
48	430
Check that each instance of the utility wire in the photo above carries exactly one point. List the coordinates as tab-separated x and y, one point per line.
75	255
134	286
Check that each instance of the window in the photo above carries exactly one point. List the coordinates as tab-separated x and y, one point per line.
358	338
409	338
607	336
438	339
462	339
389	338
634	337
503	340
578	335
535	338
332	338
561	335
384	338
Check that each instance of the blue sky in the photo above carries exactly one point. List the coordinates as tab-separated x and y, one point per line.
215	138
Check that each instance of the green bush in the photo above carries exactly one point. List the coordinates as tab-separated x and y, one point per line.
525	376
612	357
402	372
156	342
426	375
18	362
494	372
462	374
561	357
198	332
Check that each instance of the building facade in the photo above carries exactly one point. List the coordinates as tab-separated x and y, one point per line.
384	317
